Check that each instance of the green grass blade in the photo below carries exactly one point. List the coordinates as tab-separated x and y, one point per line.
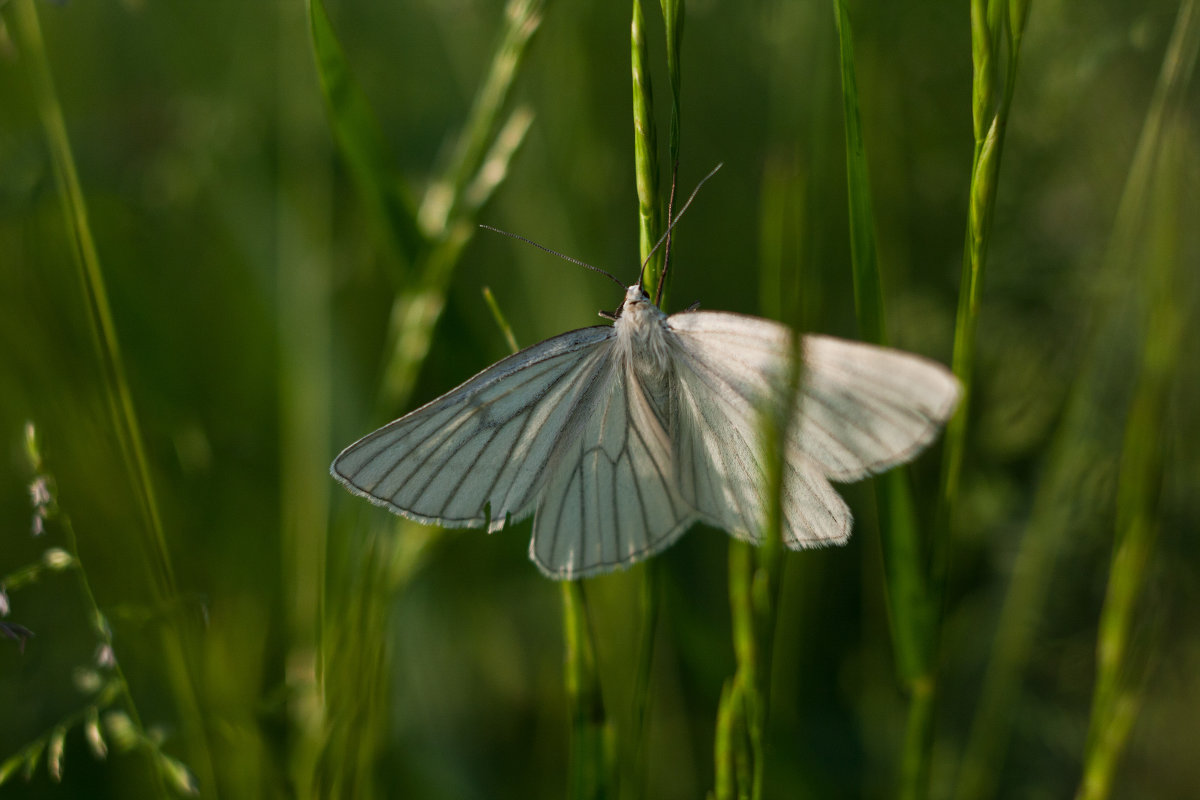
127	429
990	119
356	131
989	147
645	149
673	14
592	737
650	227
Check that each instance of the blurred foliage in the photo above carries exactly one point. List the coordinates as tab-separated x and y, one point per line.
187	121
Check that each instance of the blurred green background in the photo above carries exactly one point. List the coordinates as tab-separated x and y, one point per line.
251	293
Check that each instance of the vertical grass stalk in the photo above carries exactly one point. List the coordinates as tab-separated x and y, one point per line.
645	148
123	416
989	28
994	33
650	227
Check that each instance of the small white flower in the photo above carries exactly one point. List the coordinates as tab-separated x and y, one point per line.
91	730
3	602
57	558
105	658
54	754
180	776
39	492
39	525
121	730
87	680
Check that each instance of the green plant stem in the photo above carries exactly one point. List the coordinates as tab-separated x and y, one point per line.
650	599
591	736
645	148
650	227
985	168
990	120
160	571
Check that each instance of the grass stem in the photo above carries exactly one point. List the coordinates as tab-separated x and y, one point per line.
123	416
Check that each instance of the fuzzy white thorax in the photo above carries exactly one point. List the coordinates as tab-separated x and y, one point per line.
640	330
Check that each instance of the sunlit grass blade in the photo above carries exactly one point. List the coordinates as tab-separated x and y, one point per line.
990	26
990	122
645	148
650	227
122	414
673	13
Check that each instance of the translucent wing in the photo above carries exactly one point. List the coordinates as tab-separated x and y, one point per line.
869	408
480	454
863	409
613	497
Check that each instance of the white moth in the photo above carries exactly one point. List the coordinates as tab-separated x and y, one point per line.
618	438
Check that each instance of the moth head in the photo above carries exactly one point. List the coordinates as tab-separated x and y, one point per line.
635	295
635	299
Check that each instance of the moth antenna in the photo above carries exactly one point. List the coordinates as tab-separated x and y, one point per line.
563	256
667	233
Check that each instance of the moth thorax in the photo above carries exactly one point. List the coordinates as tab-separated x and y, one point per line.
641	333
